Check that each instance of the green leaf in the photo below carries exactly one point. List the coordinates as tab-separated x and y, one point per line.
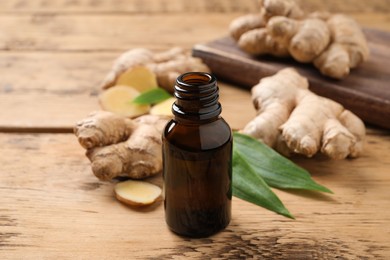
152	96
249	186
276	170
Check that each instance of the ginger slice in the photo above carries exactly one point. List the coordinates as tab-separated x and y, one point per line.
140	78
137	193
163	108
166	66
118	100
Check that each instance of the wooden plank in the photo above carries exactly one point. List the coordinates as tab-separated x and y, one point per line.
55	73
108	32
365	91
51	112
113	32
126	6
45	112
373	20
51	206
42	112
171	6
51	91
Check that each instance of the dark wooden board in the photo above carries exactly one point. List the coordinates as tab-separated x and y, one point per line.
366	91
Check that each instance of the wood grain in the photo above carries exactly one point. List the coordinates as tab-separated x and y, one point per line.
54	90
365	91
77	32
52	55
98	32
125	6
58	112
52	206
172	6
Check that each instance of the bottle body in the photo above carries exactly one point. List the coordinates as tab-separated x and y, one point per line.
197	181
197	172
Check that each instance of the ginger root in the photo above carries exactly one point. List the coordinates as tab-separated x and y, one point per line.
167	66
265	44
137	193
348	48
287	8
103	128
140	70
305	39
333	42
292	119
246	23
119	146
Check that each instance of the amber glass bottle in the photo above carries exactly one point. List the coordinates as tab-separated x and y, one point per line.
197	159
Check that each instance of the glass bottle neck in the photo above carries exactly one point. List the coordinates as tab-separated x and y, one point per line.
197	97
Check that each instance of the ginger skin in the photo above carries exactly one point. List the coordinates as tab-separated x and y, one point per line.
118	146
348	48
305	39
265	44
166	65
333	42
287	8
292	119
268	9
246	23
103	128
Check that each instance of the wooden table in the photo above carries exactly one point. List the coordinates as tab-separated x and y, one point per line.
52	56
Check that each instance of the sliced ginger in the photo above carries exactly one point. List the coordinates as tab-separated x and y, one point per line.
163	108
140	78
137	193
118	100
166	66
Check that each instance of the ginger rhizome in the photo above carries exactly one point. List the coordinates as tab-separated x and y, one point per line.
347	50
140	70
292	119
334	43
304	39
287	8
119	146
166	66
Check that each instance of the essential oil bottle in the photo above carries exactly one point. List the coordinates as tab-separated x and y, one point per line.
197	159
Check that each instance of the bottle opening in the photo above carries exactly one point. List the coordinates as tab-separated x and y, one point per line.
195	79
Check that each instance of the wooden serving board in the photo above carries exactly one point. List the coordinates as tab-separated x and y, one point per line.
366	91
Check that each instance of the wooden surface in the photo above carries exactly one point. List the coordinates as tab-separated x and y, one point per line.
365	91
52	56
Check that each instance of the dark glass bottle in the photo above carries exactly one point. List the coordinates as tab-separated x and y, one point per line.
197	159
